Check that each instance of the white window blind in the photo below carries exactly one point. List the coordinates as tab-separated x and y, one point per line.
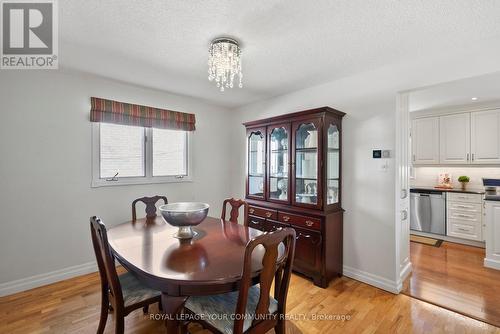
169	152
121	151
139	155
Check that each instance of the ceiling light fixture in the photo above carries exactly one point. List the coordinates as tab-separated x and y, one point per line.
224	62
474	99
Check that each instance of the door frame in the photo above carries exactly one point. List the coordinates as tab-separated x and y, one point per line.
403	266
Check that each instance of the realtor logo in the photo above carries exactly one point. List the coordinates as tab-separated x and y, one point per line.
29	34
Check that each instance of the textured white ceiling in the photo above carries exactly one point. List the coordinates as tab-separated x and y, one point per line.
287	45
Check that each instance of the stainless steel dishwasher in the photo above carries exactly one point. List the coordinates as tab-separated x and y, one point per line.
428	211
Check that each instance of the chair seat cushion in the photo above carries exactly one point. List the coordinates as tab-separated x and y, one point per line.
134	291
208	307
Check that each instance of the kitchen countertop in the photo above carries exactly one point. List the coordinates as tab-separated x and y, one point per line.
453	190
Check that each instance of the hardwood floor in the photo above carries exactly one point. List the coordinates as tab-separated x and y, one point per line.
72	306
453	276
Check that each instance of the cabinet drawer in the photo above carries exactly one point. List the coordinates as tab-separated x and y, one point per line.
264	213
465	207
308	222
256	222
464	229
274	225
463	197
471	217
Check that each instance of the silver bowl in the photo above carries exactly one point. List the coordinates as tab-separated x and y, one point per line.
184	215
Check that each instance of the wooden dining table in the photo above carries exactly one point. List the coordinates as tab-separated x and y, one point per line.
210	263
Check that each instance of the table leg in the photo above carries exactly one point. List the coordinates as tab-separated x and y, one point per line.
172	306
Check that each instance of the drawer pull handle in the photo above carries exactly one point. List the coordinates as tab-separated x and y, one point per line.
255	222
464	206
463	229
286	218
309	223
269	214
302	235
464	216
251	210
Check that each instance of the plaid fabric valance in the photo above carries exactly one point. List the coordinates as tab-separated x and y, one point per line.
108	111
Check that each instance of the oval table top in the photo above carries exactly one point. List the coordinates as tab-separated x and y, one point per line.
211	262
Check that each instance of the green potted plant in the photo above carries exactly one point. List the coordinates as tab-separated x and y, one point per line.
463	180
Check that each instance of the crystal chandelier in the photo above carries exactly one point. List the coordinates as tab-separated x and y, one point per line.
224	62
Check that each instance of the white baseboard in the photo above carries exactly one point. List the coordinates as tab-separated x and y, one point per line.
27	283
492	263
371	279
405	272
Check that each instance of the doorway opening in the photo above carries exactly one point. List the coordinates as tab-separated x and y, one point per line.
447	143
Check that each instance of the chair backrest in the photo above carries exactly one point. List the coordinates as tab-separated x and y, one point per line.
150	206
235	208
276	266
105	260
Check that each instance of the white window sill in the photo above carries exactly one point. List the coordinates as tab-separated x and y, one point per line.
139	180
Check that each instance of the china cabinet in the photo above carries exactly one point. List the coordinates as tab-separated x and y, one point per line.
294	180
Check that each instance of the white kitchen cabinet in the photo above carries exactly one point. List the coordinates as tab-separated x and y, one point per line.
425	141
464	216
485	137
454	139
492	232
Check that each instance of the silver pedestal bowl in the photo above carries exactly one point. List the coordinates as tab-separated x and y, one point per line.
184	215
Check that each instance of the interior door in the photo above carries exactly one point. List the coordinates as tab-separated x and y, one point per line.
256	168
425	141
454	139
278	185
485	137
306	182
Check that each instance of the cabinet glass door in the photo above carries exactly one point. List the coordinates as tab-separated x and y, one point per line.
306	164
333	165
278	163
256	163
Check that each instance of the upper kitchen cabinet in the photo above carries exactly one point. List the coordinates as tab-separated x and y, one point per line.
425	141
461	138
485	137
454	139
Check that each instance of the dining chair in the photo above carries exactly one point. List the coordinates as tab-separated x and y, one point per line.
265	312
123	292
235	207
150	203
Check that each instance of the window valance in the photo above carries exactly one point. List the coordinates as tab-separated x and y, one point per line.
108	111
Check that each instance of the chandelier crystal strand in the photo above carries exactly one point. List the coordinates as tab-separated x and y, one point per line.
224	63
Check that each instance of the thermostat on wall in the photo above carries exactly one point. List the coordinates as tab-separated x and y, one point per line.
377	154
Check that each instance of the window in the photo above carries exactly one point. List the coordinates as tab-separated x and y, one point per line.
136	155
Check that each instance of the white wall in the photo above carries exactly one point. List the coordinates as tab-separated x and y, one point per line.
45	172
368	194
429	176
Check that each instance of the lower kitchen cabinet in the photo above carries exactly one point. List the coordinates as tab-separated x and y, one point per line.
492	259
318	244
464	216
